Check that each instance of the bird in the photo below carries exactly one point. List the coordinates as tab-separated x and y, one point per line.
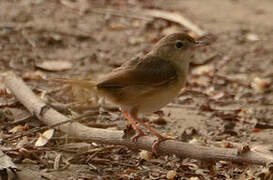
145	84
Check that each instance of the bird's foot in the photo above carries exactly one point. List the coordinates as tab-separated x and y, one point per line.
137	135
156	143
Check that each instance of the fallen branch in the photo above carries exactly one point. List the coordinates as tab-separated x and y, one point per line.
50	117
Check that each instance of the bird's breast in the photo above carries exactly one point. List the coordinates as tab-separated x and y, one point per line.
161	97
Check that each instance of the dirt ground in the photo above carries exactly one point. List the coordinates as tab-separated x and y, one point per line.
228	96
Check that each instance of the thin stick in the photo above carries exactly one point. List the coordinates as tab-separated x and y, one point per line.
50	117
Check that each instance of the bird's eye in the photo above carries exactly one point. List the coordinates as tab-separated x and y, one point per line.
179	44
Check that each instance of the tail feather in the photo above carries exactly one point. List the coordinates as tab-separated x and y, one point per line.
81	83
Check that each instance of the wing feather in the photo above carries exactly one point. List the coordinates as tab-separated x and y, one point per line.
150	71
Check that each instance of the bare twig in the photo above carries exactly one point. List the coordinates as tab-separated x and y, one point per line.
50	116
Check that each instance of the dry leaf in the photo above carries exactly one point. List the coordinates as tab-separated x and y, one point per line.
37	75
252	37
29	161
218	95
159	121
175	17
200	80
22	142
136	40
146	155
194	178
202	70
194	141
17	129
57	161
81	5
117	26
171	30
5	162
44	138
54	65
259	84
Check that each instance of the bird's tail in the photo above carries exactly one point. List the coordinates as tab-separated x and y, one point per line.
80	83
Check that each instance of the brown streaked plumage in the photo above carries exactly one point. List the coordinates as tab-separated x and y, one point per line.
145	84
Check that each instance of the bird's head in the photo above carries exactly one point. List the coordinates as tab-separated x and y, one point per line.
177	47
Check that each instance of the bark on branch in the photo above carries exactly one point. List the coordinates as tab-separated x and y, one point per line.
50	116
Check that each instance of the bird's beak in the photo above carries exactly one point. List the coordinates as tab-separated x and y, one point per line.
200	43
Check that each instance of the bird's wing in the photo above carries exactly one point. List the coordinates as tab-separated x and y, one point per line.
149	71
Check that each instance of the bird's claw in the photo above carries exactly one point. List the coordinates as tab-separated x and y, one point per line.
156	143
137	135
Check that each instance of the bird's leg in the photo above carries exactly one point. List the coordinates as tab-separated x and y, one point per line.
133	123
154	132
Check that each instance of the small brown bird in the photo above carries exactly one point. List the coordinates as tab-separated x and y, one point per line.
145	84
